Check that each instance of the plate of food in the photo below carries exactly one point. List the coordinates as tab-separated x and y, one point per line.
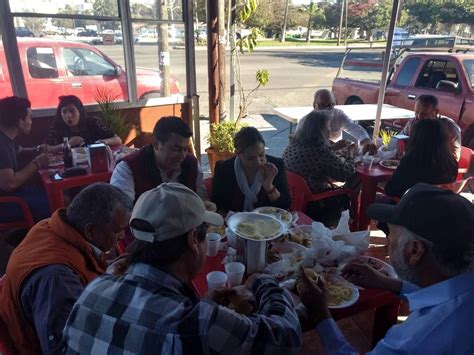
280	214
282	250
255	226
390	163
300	235
376	264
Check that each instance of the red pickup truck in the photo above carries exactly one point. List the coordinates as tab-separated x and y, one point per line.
58	67
448	76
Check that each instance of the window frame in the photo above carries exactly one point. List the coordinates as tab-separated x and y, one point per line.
433	61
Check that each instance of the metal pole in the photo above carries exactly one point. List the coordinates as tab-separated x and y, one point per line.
129	48
285	22
233	7
386	63
213	61
340	24
191	86
222	71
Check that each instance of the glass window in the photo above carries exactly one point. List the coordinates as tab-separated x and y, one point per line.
157	10
156	59
436	70
84	62
469	66
41	62
407	72
80	7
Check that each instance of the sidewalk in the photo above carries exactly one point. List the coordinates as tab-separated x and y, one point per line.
274	129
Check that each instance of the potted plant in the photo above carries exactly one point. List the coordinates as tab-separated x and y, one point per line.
110	114
221	141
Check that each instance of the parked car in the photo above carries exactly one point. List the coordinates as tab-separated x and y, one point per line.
58	67
448	76
23	32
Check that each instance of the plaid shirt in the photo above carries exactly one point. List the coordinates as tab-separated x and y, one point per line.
148	311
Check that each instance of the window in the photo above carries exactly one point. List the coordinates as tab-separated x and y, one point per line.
41	63
408	71
84	62
469	66
94	8
435	71
171	10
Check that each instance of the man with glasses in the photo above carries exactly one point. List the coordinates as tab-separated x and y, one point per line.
166	159
324	100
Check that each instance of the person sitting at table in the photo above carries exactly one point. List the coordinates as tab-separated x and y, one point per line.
310	156
154	308
431	246
59	256
15	119
324	100
251	179
71	121
166	159
426	107
429	158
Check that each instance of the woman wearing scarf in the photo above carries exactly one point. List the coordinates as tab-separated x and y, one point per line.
251	179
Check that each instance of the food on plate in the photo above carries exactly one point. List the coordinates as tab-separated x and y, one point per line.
258	229
337	293
300	235
376	264
312	275
390	163
278	213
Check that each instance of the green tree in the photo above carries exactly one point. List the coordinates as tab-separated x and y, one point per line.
35	24
141	11
105	7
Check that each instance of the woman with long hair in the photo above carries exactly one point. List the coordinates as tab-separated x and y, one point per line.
71	121
251	179
309	155
429	158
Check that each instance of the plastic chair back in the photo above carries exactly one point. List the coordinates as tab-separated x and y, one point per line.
299	191
465	160
456	186
27	221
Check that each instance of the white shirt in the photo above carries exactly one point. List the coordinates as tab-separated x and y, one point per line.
122	177
341	122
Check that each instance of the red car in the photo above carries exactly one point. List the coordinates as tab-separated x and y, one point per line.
58	67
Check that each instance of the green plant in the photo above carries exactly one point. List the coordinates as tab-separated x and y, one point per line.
110	114
221	137
386	135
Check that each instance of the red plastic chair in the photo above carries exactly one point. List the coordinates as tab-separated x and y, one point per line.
464	161
27	221
301	194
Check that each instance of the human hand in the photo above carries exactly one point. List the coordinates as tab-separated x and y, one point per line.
220	295
76	141
269	171
42	161
313	296
364	275
117	266
369	148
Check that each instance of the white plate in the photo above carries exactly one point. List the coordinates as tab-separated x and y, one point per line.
340	280
377	264
388	164
283	215
254	218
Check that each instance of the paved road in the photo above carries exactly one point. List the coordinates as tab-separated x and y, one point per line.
295	73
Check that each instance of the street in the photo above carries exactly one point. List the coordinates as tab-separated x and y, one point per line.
295	73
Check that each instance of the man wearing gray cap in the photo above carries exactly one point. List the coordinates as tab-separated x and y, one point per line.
153	308
432	250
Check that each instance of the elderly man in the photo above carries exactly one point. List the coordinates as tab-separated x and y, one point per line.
166	159
431	248
426	106
154	309
59	256
15	119
324	100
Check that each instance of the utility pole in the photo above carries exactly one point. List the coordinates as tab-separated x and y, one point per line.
163	48
340	24
222	71
232	19
213	60
285	22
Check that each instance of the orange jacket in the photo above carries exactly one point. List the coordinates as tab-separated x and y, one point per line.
51	241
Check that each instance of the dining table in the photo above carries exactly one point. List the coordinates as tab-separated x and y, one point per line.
370	176
384	303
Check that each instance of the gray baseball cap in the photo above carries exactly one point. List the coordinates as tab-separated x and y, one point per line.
171	209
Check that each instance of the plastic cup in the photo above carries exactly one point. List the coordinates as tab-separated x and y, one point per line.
213	240
216	279
235	273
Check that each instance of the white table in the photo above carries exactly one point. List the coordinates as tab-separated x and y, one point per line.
364	112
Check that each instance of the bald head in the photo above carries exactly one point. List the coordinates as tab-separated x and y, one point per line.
323	100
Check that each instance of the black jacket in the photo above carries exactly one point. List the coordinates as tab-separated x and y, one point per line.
228	197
